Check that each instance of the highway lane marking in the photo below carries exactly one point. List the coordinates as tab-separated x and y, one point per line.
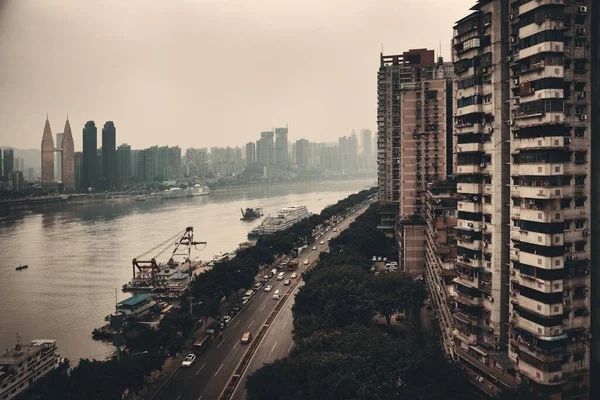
284	325
251	305
220	343
236	324
251	324
203	365
290	348
178	397
263	307
200	398
273	348
216	373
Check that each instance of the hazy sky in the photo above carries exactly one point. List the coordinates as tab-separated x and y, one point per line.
198	73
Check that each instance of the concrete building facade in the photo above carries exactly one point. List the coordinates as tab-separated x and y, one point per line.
90	171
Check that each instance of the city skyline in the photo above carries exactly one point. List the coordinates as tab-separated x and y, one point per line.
120	80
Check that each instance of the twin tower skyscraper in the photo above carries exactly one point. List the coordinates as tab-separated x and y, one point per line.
67	151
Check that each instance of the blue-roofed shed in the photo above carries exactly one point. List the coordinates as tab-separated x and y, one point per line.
135	304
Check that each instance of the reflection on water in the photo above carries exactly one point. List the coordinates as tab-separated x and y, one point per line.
78	255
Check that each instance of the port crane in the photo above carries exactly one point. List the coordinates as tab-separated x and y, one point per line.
145	270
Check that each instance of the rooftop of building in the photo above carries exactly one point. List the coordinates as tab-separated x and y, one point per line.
135	300
178	276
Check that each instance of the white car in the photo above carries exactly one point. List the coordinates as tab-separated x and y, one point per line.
276	295
188	361
321	242
226	319
294	275
268	288
287	282
314	247
305	262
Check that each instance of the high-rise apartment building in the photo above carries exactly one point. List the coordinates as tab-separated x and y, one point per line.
123	165
90	156
302	152
47	156
523	124
8	163
68	159
109	154
394	70
250	153
281	146
265	149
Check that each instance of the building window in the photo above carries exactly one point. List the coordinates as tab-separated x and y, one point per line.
580	246
579	223
565	203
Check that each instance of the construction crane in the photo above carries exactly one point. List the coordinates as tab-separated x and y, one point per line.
184	241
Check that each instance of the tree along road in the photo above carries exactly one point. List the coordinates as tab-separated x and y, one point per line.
209	375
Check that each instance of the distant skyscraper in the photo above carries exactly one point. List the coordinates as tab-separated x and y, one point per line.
123	165
1	174
90	156
109	153
19	164
265	148
281	146
58	157
250	153
8	163
366	141
302	152
47	155
78	170
68	159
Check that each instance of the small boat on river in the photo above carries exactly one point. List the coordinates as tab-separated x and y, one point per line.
20	267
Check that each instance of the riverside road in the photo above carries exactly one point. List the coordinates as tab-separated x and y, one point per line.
209	375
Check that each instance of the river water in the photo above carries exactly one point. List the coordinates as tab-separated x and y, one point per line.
78	255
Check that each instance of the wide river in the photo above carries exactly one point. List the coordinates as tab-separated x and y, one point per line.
78	255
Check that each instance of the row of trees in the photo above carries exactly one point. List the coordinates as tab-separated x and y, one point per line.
341	351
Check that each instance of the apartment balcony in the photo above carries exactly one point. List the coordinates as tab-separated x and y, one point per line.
469	262
468	225
469	147
469	339
539	260
469	206
469	244
552	142
469	300
539	215
532	120
541	239
473	109
536	192
462	129
542	309
535	283
469	169
547	24
524	323
538	169
469	188
544	47
539	376
532	5
543	355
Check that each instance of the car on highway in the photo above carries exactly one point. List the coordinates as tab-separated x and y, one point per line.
226	319
268	288
245	300
294	275
321	242
188	360
314	247
305	262
257	285
280	276
287	282
335	229
246	338
276	295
